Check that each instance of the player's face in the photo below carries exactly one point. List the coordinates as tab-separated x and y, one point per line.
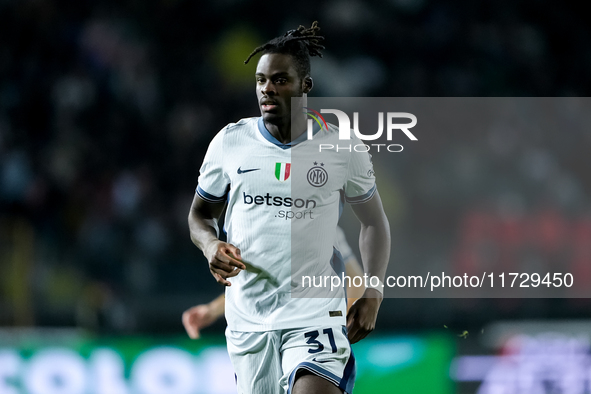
277	81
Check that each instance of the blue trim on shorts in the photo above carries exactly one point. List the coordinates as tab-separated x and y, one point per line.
349	374
346	383
350	371
316	370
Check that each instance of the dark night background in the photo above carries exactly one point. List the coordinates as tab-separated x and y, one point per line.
107	108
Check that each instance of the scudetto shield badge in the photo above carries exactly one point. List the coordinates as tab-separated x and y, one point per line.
282	171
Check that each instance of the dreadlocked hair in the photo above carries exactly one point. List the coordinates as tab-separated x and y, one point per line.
300	43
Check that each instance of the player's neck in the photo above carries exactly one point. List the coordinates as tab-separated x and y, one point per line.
284	132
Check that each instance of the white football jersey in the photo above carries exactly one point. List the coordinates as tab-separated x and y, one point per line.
284	202
342	245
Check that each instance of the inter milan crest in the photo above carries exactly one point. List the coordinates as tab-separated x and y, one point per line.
317	175
282	171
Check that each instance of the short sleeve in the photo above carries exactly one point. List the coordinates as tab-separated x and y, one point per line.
213	181
360	185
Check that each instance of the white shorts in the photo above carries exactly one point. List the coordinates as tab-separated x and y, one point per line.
267	361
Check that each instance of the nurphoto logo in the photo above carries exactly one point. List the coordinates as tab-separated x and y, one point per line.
345	130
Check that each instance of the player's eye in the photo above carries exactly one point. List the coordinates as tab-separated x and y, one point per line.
260	80
280	80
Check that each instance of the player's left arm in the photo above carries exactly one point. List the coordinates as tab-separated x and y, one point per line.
374	246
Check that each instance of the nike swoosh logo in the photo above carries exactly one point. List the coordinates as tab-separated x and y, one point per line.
322	361
241	171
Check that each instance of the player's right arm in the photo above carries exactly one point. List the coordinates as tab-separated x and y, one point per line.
223	258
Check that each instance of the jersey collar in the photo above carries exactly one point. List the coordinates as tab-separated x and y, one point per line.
269	137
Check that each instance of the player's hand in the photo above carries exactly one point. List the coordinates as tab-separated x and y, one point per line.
224	261
361	318
196	318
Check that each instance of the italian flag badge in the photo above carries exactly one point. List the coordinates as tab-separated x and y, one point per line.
282	171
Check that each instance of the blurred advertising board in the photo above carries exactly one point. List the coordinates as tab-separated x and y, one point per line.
70	362
537	357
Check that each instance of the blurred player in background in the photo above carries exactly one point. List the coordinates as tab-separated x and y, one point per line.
201	316
278	343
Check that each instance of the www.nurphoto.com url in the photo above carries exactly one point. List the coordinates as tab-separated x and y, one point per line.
435	281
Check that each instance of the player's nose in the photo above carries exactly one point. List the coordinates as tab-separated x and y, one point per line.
268	88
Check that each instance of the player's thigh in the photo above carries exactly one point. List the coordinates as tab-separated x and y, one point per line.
308	383
323	352
256	360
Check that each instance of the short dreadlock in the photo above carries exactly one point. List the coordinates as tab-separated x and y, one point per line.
300	43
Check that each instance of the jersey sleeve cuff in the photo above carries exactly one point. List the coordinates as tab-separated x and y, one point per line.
363	198
209	197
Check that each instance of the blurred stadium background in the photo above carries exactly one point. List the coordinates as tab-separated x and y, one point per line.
107	108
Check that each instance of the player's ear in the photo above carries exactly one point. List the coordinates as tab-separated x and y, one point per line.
308	84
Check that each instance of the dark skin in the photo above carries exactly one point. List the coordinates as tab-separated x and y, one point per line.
277	81
308	383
